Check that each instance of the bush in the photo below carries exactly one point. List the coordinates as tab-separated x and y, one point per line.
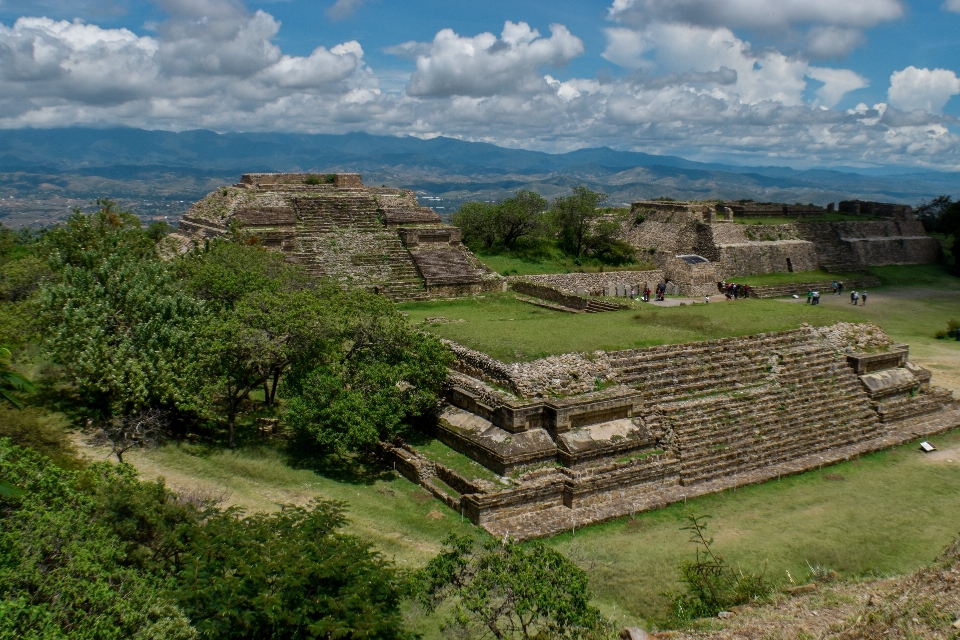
952	331
712	584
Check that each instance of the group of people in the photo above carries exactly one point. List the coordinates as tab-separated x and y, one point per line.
813	297
644	295
732	290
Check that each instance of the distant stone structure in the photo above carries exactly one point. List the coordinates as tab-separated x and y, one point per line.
380	239
583	438
666	230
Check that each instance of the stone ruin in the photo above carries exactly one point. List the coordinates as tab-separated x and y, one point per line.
672	229
380	239
586	437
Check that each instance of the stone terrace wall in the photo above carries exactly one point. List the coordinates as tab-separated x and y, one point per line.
766	257
590	283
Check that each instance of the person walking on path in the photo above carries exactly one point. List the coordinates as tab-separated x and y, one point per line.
809	296
816	297
856	298
853	297
835	287
839	288
863	298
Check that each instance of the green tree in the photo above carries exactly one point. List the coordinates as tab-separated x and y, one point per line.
116	318
520	216
374	375
501	590
291	574
477	222
66	570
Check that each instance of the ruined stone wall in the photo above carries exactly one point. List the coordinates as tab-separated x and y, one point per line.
591	283
751	258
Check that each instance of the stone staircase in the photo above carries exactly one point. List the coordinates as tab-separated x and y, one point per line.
601	306
833	254
344	215
738	405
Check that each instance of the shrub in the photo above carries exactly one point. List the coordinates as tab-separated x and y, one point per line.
952	331
712	585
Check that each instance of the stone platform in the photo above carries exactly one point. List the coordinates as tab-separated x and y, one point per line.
380	239
589	437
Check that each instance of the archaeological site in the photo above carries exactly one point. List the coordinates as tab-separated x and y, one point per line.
582	438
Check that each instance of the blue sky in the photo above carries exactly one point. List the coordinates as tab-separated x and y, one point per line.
788	82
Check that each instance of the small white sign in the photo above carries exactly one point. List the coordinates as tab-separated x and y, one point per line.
926	447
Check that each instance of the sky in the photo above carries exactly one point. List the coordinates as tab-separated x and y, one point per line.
801	83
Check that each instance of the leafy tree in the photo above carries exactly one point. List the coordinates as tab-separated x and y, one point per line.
374	374
124	332
520	216
290	574
504	222
68	571
584	228
574	217
477	223
500	590
10	380
931	213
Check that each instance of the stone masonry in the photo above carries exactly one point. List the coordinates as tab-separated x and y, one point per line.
664	230
589	437
380	239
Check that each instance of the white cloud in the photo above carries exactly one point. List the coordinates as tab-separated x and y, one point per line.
693	90
484	65
759	75
343	9
836	84
923	89
759	13
951	5
822	29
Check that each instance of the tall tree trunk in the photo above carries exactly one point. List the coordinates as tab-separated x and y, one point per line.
273	389
231	419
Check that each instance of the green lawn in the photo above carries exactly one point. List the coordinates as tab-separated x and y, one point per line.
513	331
886	513
913	303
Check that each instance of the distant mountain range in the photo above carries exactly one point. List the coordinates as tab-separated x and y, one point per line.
157	167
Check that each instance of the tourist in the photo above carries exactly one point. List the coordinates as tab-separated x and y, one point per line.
855	298
863	298
839	288
707	299
809	296
736	291
835	287
816	297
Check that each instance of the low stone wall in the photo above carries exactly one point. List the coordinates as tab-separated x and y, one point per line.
825	287
590	283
